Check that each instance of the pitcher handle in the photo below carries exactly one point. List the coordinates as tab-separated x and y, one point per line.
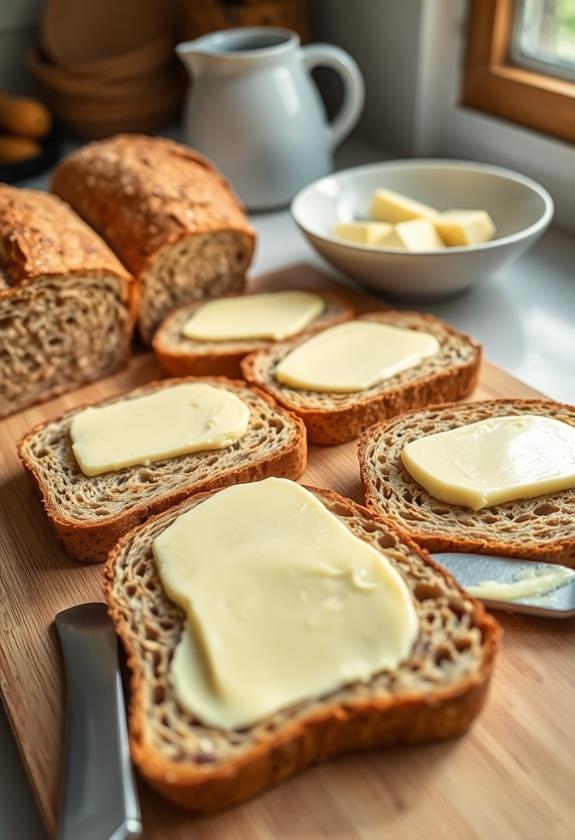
326	55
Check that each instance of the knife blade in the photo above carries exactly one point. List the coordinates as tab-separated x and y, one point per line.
98	794
473	569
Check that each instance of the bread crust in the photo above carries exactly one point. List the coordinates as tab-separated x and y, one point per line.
154	200
41	236
225	360
90	542
365	723
560	550
144	193
342	423
43	241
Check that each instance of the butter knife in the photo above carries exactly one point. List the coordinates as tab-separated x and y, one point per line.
98	795
473	569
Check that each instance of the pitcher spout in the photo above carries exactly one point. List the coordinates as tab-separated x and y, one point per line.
192	54
236	51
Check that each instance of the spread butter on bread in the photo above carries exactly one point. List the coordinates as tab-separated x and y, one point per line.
184	355
433	690
518	515
443	367
90	512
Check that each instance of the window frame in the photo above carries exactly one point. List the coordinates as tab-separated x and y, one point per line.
491	83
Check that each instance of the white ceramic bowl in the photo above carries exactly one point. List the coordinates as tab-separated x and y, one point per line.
520	208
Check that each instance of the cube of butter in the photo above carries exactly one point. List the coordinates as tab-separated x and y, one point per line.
390	206
365	233
465	227
416	235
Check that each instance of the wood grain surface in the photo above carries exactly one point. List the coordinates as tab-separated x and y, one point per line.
512	776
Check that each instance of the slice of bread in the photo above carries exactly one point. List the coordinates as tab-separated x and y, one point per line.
450	374
541	529
435	694
90	513
181	356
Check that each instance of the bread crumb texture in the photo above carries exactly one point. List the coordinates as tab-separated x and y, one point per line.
542	528
435	694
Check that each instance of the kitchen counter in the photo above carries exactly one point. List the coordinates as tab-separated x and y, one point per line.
525	318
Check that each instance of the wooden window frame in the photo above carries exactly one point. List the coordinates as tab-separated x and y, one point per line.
492	84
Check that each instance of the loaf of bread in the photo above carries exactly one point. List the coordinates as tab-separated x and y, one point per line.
89	513
542	528
67	306
169	215
182	356
435	694
333	418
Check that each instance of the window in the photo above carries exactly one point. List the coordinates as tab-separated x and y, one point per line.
520	63
544	37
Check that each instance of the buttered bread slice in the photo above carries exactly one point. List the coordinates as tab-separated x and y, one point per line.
265	567
284	616
212	338
350	376
494	477
102	469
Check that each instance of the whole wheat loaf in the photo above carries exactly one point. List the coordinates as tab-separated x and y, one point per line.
181	356
89	513
169	215
67	306
450	374
435	694
542	528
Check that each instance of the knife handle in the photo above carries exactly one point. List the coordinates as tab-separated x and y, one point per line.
98	795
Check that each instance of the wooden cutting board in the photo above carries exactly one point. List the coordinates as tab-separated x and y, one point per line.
512	776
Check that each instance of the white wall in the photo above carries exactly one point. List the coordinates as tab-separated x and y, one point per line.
444	127
411	53
383	37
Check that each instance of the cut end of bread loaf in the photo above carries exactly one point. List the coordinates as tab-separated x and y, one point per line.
195	267
435	694
169	215
541	529
451	374
67	305
182	356
59	332
90	513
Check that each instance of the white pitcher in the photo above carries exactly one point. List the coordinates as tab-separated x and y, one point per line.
256	112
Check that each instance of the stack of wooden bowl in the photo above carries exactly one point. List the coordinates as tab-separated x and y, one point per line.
202	16
107	66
